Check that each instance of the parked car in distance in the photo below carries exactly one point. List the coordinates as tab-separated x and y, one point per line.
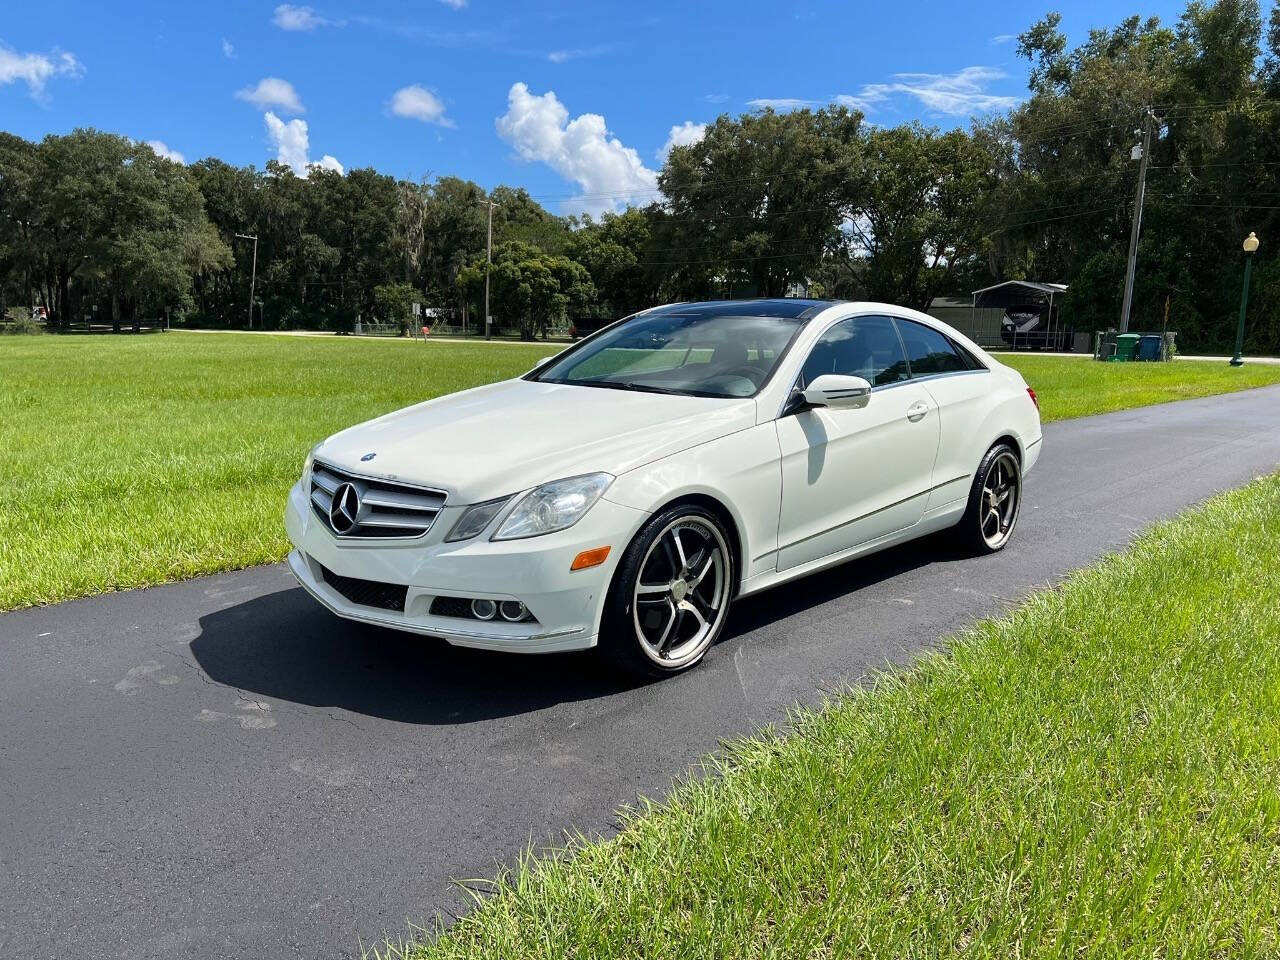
623	493
585	326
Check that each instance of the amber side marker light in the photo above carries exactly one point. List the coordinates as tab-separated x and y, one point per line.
590	558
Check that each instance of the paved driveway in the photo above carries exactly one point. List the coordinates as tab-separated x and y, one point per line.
221	769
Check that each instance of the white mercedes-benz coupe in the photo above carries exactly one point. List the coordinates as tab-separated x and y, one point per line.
623	493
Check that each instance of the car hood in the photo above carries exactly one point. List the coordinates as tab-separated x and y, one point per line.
506	437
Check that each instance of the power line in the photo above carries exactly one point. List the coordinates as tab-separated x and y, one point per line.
1208	166
912	242
1225	206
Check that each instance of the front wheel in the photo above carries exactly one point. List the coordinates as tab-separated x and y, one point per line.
670	595
994	501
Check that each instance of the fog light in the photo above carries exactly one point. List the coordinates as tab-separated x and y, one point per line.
512	610
483	609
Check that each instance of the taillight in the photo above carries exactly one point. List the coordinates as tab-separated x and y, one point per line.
1032	394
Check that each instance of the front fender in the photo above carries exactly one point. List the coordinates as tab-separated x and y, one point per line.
742	472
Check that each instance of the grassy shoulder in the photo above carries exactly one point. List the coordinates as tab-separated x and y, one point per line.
1079	387
1097	774
130	461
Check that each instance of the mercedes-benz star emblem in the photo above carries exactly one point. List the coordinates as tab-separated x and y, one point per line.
345	508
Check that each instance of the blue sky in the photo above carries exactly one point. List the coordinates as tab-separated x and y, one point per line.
573	100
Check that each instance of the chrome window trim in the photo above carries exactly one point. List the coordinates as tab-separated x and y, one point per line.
929	376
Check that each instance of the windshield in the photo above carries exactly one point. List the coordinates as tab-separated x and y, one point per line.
693	354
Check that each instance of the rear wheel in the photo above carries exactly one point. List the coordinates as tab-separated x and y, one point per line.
995	500
670	595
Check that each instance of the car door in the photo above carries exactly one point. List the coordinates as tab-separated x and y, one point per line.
850	476
961	387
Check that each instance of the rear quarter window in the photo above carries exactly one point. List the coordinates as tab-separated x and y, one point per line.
929	352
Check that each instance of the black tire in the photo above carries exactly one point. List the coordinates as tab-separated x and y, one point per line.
999	476
692	598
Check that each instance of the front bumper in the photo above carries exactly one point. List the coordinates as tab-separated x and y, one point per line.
566	604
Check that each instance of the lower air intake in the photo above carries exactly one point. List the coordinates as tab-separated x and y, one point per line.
367	593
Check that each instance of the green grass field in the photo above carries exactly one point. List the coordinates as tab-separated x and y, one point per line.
138	460
1095	775
1078	387
130	461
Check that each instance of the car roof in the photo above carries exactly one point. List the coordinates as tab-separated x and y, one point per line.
791	308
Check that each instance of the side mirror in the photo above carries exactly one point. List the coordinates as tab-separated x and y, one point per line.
538	363
838	391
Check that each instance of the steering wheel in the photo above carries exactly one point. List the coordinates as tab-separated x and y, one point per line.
747	371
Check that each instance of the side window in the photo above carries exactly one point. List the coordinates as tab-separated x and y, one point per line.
866	347
929	351
969	359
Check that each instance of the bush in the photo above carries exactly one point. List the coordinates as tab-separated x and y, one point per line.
394	304
19	320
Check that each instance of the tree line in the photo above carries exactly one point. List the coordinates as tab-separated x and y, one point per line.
765	204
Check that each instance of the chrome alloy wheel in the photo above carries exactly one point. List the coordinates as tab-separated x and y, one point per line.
1001	497
681	593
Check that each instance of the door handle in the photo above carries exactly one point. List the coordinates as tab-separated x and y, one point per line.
916	412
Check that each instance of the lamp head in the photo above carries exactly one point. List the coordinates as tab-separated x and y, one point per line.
1251	243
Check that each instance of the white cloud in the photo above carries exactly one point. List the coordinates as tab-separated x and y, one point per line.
562	56
963	93
681	135
291	17
866	101
456	4
292	143
272	92
37	69
716	97
329	162
954	94
419	103
1002	38
781	103
228	50
580	150
290	140
163	150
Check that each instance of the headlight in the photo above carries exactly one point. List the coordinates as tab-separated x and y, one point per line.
475	519
553	506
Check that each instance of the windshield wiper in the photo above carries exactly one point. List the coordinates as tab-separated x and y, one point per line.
624	385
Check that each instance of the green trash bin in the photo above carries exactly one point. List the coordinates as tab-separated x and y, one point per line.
1126	347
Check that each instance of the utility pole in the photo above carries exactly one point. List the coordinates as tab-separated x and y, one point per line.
253	277
1147	125
488	266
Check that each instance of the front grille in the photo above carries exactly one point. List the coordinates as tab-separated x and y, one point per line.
367	593
371	507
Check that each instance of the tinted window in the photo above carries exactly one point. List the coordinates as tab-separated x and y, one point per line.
866	347
969	359
929	351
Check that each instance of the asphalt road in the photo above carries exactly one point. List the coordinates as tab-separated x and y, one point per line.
220	768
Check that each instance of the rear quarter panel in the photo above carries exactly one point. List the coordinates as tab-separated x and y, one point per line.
976	410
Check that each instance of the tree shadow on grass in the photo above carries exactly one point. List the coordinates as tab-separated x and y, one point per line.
286	646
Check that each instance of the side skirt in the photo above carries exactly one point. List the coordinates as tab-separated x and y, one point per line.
947	515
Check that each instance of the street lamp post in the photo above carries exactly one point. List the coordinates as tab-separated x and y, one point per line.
488	268
1250	248
253	277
